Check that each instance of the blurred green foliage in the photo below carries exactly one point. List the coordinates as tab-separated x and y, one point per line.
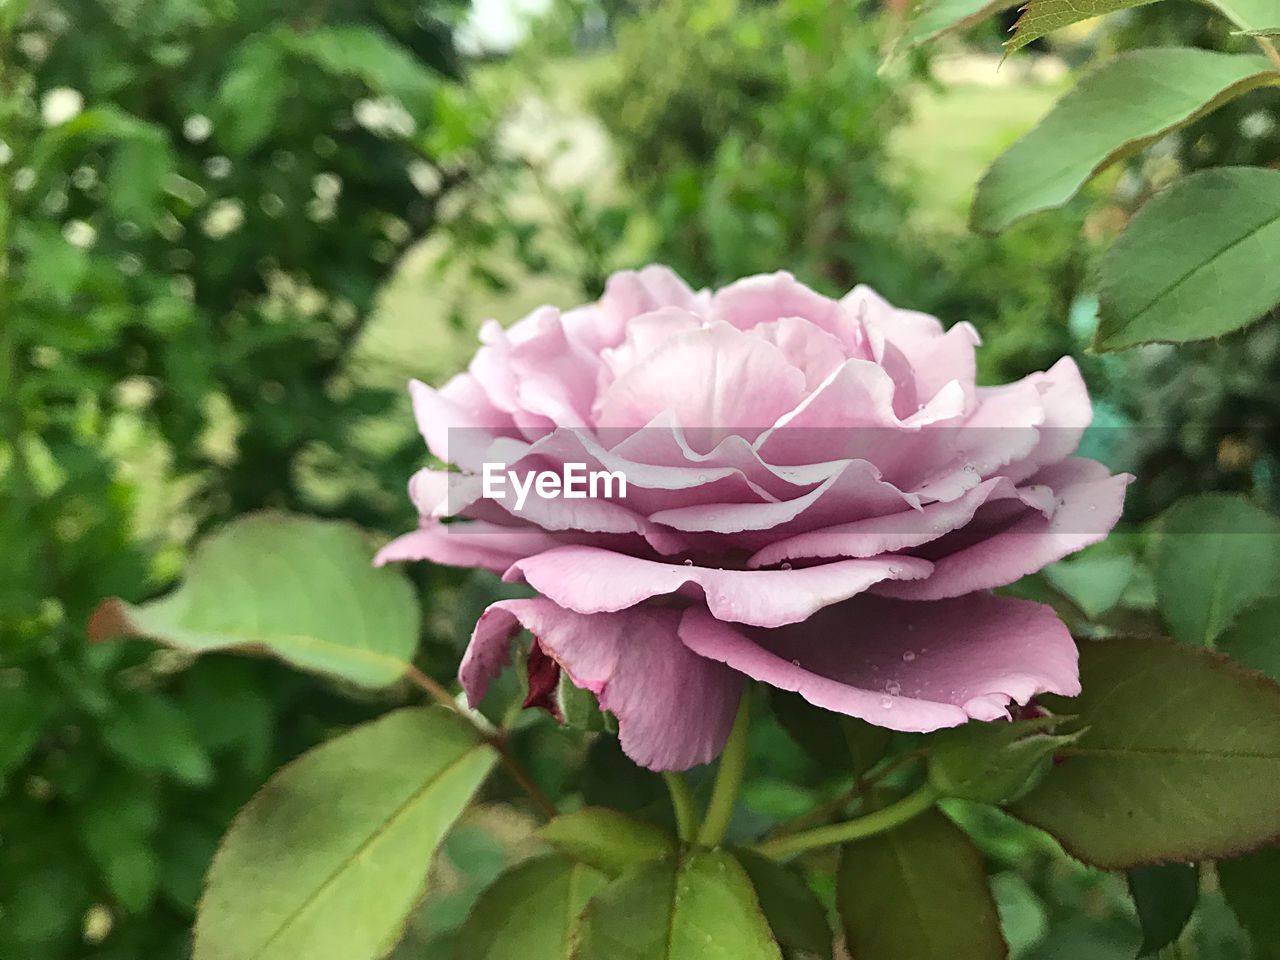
198	205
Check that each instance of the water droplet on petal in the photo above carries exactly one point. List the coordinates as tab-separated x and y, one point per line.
786	566
795	663
688	563
893	688
886	702
894	571
909	655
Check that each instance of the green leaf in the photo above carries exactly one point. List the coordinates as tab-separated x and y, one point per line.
579	708
137	176
994	762
1216	554
1196	261
1165	896
608	840
933	18
530	912
328	859
117	820
1040	17
249	100
1251	885
22	716
1179	761
1253	639
918	892
1115	110
368	55
152	734
1095	584
794	912
1253	17
698	905
300	589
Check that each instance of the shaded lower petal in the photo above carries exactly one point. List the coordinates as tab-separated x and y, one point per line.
674	708
592	580
904	665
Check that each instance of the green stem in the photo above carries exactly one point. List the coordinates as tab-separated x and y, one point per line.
908	807
733	761
1270	50
682	804
541	802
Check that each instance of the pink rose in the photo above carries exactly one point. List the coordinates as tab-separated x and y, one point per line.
819	498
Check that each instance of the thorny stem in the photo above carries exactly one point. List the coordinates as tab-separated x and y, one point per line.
909	807
518	773
682	804
733	762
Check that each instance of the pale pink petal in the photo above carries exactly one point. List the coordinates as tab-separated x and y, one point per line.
1067	413
591	580
996	549
888	533
882	319
457	421
467	544
699	376
809	348
645	334
902	665
674	708
855	492
764	298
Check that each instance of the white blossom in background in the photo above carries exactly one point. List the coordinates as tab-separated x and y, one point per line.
79	234
60	105
6	153
197	128
326	186
424	177
385	116
1256	125
84	177
224	218
36	46
218	168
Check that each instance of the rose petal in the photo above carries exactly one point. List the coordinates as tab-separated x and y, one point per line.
752	301
904	665
699	377
674	708
591	580
469	544
1090	502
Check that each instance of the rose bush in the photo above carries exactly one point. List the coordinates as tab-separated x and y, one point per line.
819	497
